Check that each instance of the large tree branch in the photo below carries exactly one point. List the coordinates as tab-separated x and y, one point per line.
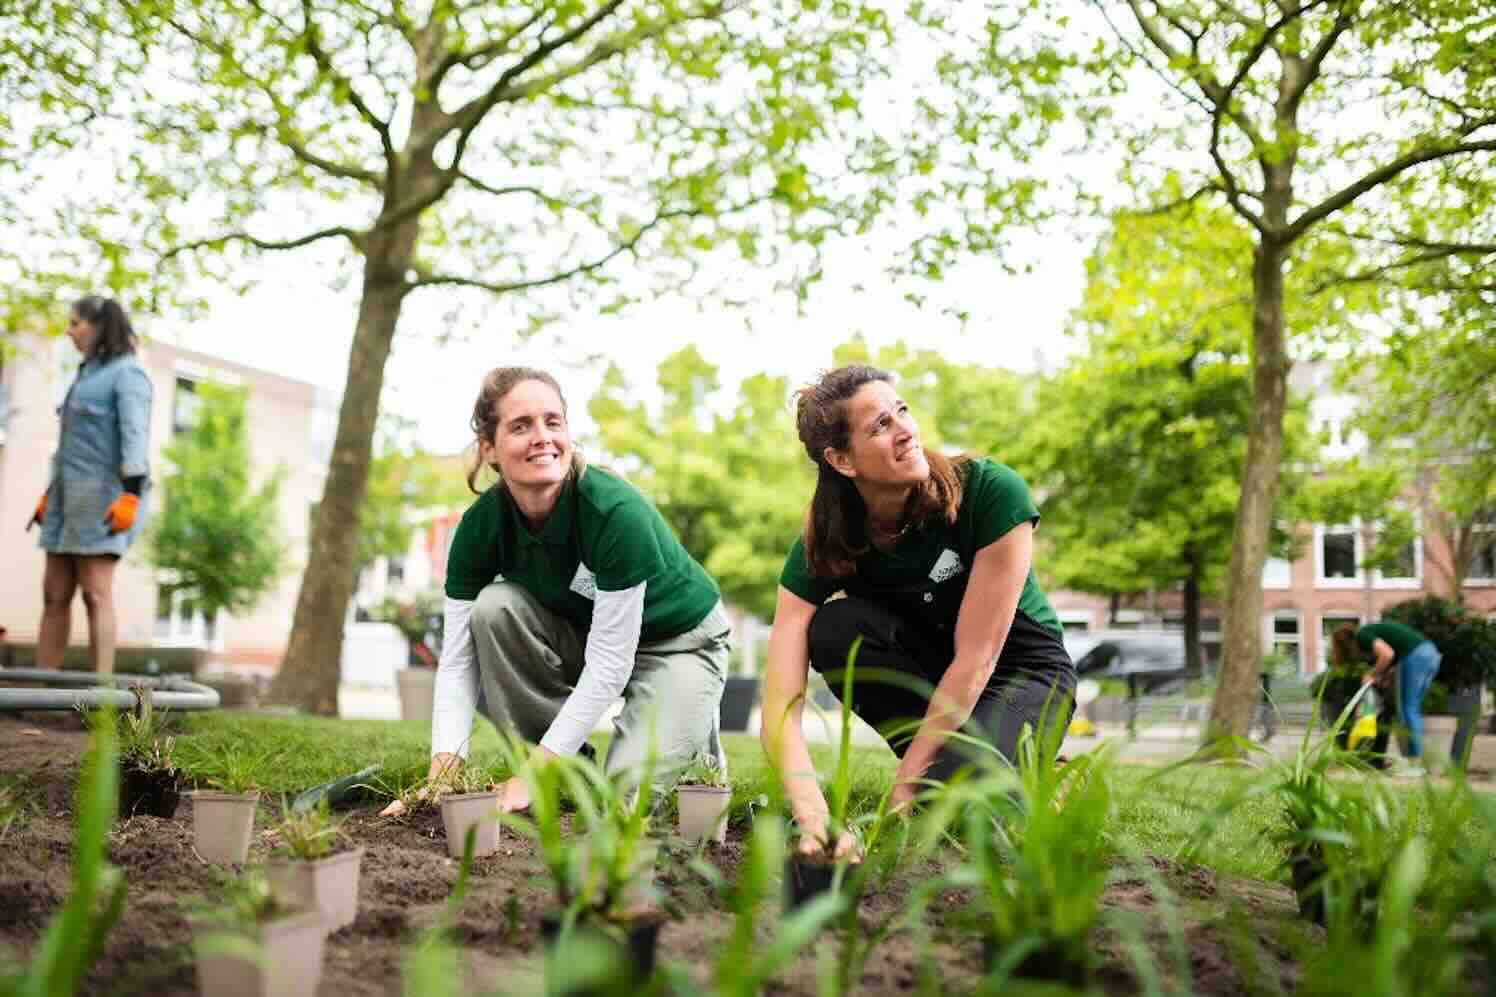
549	200
482	55
1309	68
219	241
1433	254
1169	207
1348	194
285	131
470	114
428	278
311	37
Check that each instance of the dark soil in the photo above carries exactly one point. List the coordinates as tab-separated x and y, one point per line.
1219	925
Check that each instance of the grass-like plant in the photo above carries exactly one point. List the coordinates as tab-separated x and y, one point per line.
704	770
606	879
143	741
75	935
230	768
1037	853
307	835
12	809
1336	839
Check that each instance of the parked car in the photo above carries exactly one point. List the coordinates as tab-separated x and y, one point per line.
1154	657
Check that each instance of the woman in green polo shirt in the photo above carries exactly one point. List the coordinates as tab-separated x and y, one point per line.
566	590
1388	644
933	556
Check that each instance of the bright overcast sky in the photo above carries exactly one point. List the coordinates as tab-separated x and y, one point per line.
294	324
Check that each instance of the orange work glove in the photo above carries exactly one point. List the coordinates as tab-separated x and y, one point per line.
41	512
121	512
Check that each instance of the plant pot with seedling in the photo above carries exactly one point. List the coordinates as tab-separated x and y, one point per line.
314	867
703	798
602	933
254	944
223	816
148	780
470	799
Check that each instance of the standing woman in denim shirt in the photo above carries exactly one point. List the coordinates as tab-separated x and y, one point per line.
93	506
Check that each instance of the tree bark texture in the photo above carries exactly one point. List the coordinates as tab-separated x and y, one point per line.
1237	689
310	673
1193	660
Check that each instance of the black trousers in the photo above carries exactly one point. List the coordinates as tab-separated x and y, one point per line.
897	666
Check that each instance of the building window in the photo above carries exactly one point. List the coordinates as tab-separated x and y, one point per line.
1328	624
1337	556
1283	638
185	403
1483	547
394	571
179	623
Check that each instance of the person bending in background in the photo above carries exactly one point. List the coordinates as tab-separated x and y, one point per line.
95	502
1391	645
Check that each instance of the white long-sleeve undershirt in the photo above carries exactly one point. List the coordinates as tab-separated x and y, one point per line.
608	663
455	698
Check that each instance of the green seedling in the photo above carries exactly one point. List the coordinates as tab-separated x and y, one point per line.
704	770
143	741
307	835
1038	854
11	810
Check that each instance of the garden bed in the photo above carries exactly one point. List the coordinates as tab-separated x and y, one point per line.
407	877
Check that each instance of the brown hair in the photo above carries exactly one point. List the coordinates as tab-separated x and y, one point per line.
497	384
1345	649
836	523
113	334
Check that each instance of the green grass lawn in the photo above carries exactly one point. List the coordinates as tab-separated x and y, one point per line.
1158	812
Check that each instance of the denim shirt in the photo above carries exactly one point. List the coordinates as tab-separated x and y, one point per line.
104	438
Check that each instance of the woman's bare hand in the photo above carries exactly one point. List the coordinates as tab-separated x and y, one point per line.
442	768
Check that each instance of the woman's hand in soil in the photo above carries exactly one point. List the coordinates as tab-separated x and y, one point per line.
847	846
442	767
514	796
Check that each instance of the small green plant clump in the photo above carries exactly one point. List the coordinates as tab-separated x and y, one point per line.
309	834
704	770
242	903
144	743
11	809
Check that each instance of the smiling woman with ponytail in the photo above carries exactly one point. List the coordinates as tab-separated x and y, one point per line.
924	563
565	591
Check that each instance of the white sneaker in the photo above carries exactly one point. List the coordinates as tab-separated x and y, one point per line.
1407	768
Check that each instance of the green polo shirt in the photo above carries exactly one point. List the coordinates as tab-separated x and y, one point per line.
924	577
1399	636
602	536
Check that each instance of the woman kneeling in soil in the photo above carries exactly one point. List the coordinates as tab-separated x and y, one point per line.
565	590
934	557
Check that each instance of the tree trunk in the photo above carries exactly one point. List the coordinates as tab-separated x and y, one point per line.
1113	608
309	675
1241	662
1193	660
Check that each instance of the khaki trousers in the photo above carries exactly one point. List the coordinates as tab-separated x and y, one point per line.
530	658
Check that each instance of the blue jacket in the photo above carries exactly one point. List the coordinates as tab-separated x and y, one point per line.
105	437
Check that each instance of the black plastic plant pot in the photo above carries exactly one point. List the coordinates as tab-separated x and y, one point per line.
141	792
1050	963
635	953
805	879
1306	871
738	697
